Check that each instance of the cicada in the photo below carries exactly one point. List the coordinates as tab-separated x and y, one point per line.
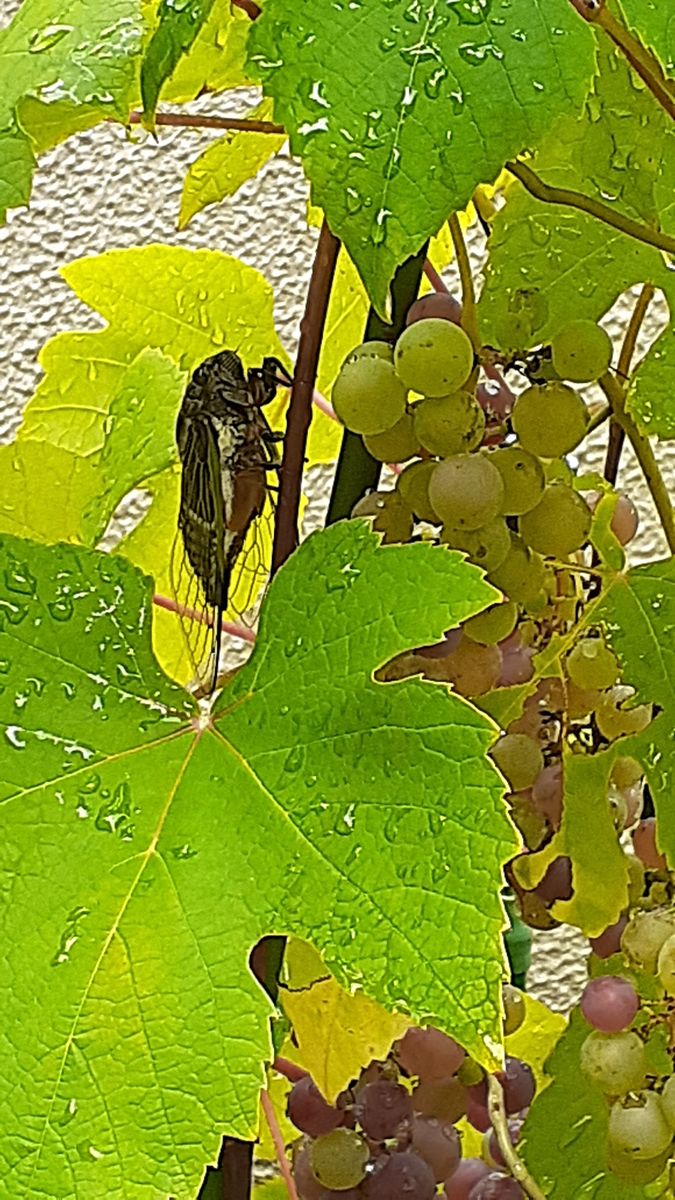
228	456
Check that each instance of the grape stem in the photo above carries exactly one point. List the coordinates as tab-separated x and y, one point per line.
468	318
599	418
644	454
192	614
302	393
277	1138
189	121
594	208
616	433
515	1164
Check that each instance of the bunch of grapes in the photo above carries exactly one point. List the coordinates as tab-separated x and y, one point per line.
484	472
392	1135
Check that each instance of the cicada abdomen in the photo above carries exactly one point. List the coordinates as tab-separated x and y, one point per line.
228	457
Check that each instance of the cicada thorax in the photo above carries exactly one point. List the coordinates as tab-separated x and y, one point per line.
226	450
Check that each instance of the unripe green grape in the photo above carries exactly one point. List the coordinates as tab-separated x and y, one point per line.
494	624
392	516
368	396
374	349
434	357
581	352
665	965
614	721
413	486
395	445
550	420
487	546
452	424
591	664
668	1101
514	1008
626	772
466	490
638	1127
523	477
638	1171
339	1159
556	470
519	759
521	575
559	523
645	934
614	1062
636	879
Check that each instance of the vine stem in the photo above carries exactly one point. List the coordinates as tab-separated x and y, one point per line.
302	394
644	454
616	433
594	208
279	1148
515	1164
251	9
190	121
469	318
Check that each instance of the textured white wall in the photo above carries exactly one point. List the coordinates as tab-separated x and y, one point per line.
101	191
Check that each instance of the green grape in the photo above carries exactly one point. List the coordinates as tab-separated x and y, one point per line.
556	470
395	445
626	772
559	523
668	1101
465	490
339	1159
452	424
581	352
636	879
368	396
434	357
614	721
637	1171
393	518
614	1062
550	420
372	349
521	575
519	759
492	625
523	477
413	486
591	664
638	1127
666	965
487	546
645	934
514	1008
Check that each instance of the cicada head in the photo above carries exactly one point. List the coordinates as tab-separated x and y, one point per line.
263	381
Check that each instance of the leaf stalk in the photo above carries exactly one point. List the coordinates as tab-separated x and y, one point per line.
514	1164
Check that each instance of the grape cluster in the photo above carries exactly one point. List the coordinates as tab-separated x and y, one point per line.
392	1135
485	473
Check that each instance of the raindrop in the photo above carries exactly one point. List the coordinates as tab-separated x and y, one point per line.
13	735
19	579
44	39
61	609
294	759
181	853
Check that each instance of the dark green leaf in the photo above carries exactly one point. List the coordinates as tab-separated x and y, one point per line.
179	23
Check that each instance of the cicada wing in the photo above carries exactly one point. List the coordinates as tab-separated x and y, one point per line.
250	572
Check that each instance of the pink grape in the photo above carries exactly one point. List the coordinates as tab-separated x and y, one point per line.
557	882
496	1186
496	398
468	1173
547	793
493	1149
435	304
308	1110
644	844
402	1176
383	1107
624	523
307	1184
429	1054
516	665
608	942
609	1003
518	1083
438	1144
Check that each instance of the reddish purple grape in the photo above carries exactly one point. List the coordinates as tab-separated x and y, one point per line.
477	1114
307	1185
496	398
608	942
468	1173
437	1142
308	1110
352	1194
383	1107
609	1003
402	1176
429	1054
518	1084
445	1099
516	665
496	1186
493	1150
557	882
644	844
440	305
547	793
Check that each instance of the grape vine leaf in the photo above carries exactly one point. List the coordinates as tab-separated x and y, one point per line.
575	263
216	59
376	96
27	504
565	1133
337	1032
178	25
70	55
655	25
147	847
227	164
652	387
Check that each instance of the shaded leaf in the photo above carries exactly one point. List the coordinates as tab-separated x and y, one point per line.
178	25
216	59
651	397
377	96
655	26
